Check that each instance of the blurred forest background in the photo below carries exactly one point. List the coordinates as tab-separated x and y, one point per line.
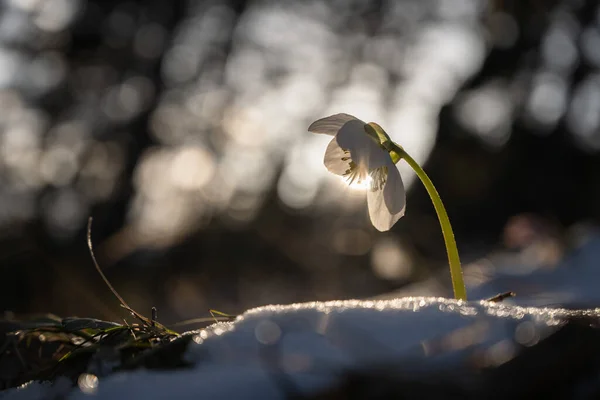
180	126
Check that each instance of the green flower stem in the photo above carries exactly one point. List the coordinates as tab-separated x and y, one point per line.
458	284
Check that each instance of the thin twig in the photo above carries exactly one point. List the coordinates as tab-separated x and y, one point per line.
501	296
89	242
199	321
112	289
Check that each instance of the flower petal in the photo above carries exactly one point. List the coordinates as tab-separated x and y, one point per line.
387	206
332	124
363	150
336	159
394	193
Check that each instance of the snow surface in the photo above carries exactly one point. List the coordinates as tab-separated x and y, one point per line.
573	281
271	351
268	350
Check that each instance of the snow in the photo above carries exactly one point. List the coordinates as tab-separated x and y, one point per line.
573	281
273	351
306	347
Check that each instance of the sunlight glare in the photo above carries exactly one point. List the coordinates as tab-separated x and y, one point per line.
359	184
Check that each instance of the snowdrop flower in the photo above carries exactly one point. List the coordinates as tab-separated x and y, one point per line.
365	155
359	154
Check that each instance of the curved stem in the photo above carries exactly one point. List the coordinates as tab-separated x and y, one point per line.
458	284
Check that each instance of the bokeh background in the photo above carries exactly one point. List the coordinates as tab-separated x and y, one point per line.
180	126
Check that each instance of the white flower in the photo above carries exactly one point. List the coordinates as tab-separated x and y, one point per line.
359	157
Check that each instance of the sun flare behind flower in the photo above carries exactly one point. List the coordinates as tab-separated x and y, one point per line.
363	185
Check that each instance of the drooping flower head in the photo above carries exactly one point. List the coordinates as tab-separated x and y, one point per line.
359	152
